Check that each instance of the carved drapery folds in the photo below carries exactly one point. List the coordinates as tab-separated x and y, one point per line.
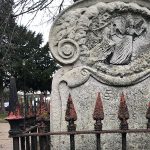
110	40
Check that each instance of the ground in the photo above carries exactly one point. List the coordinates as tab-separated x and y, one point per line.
5	141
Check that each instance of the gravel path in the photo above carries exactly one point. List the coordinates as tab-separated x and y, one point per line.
5	141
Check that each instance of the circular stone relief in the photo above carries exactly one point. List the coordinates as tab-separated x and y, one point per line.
113	38
68	51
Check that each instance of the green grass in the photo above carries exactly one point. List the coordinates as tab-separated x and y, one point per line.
2	117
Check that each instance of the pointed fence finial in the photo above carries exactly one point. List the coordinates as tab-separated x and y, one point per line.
123	113
30	112
42	111
71	114
98	114
148	116
70	111
18	113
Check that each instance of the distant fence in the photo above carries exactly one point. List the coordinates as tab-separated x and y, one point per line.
30	125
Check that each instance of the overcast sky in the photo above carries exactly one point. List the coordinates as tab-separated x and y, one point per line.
43	20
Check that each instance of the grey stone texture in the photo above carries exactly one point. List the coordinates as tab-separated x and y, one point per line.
103	46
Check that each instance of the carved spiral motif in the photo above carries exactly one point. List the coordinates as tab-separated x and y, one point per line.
68	51
84	72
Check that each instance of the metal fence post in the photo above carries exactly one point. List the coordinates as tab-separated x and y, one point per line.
15	143
123	115
22	143
44	124
44	141
71	117
98	116
148	116
27	143
34	140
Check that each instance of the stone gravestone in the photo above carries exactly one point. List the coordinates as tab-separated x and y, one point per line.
103	46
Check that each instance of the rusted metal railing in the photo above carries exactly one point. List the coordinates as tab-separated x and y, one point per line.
123	115
98	116
33	119
71	117
32	131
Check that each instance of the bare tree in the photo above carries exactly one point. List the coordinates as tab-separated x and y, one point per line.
51	7
30	6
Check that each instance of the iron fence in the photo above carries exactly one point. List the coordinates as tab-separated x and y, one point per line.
32	131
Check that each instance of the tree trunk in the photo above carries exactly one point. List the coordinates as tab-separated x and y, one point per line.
2	110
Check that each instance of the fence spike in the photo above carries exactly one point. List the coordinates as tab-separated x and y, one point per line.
16	114
71	117
22	106
98	114
18	111
123	113
42	111
30	112
148	116
98	111
11	116
71	114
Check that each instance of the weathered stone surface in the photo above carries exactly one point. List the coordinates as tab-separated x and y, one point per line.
103	47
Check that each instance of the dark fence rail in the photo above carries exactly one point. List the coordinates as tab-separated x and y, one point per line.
31	130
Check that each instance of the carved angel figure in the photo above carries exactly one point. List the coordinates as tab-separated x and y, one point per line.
118	34
124	31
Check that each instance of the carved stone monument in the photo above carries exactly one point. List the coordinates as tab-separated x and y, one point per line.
103	46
